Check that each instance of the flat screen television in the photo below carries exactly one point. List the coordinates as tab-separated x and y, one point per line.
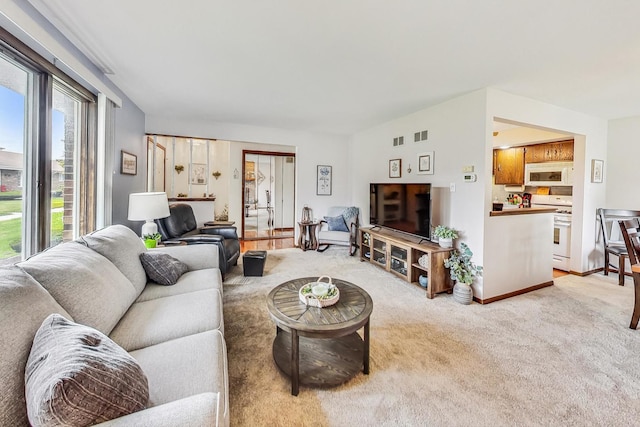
402	207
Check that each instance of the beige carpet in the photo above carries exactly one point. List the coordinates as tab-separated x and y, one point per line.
563	355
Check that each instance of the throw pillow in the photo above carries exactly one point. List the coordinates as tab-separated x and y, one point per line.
162	268
350	214
336	223
77	376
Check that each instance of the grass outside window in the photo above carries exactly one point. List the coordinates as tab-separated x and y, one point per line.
11	230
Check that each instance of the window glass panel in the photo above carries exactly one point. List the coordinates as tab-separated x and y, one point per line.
14	86
64	146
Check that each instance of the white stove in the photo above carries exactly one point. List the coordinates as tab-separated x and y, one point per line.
561	227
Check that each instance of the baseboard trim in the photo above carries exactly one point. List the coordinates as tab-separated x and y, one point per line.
513	294
586	273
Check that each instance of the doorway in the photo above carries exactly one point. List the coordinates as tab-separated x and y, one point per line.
268	194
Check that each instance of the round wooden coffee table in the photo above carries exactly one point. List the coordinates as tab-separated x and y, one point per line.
320	347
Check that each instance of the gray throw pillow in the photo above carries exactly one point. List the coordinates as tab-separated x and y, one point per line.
350	214
162	268
336	223
77	376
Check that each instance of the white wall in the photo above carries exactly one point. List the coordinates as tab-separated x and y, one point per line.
621	167
457	131
590	142
311	149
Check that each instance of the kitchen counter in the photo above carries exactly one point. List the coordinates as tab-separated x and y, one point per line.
518	252
522	211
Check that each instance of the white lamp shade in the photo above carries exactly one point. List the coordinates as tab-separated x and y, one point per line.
148	206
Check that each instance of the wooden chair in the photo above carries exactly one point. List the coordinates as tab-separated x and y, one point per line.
612	244
630	230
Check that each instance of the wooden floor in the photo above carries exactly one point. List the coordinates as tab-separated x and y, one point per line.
559	273
265	245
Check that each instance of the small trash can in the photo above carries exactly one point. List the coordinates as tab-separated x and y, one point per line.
253	263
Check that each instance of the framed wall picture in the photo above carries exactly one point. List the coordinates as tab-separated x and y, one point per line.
425	163
395	168
128	163
198	173
597	170
324	178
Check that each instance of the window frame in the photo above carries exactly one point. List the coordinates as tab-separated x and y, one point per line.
36	175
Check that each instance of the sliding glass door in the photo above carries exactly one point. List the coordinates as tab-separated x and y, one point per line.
268	195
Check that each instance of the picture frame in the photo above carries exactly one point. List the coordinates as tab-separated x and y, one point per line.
425	163
128	163
597	171
324	180
198	173
395	168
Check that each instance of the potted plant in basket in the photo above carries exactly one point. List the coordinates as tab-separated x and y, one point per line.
462	270
151	240
445	235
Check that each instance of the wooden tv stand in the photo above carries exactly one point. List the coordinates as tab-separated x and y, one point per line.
399	254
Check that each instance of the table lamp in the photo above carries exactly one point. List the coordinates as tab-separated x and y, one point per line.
148	207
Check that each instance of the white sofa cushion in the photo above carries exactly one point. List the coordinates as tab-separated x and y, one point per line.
191	281
77	376
163	319
86	284
203	409
121	246
185	367
24	304
197	257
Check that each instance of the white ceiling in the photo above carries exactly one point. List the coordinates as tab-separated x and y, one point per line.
339	66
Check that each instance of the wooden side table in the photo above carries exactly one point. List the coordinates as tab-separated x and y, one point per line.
308	229
212	223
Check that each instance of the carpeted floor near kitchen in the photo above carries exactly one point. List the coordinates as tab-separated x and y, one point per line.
562	355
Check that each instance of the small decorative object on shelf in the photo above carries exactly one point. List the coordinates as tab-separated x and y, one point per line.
424	260
365	239
179	168
423	280
445	235
216	174
182	195
319	294
462	270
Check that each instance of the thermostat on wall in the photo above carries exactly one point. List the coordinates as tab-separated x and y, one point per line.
469	177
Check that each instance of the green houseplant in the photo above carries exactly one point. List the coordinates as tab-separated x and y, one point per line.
445	235
462	270
151	240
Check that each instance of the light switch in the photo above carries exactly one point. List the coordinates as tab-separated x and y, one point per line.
452	187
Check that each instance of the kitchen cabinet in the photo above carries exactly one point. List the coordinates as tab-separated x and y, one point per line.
561	151
401	256
508	166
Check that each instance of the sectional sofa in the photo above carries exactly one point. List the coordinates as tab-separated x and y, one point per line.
175	333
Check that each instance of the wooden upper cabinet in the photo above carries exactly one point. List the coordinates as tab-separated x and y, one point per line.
550	152
509	166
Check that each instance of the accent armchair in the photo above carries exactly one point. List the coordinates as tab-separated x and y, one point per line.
339	227
180	226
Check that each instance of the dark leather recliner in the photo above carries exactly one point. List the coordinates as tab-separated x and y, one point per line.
180	226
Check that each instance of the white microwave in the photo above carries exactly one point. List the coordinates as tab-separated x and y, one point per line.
548	174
